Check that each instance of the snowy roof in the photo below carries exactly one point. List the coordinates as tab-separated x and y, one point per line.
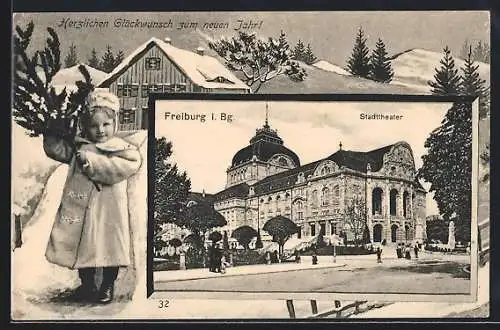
202	70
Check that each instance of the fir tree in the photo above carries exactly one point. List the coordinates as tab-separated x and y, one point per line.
299	51
93	61
309	57
464	50
381	69
171	188
473	85
478	54
446	80
119	58
108	60
359	62
36	105
71	58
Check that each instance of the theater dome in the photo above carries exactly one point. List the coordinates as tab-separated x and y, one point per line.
266	145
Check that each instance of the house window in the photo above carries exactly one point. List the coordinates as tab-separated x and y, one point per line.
135	90
179	87
119	90
127	90
144	90
153	63
127	116
300	215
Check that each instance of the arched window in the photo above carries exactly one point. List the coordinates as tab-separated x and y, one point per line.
377	233
406	204
300	205
393	202
377	201
407	232
325	196
394	230
336	191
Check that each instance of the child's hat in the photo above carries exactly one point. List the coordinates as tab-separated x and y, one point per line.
102	97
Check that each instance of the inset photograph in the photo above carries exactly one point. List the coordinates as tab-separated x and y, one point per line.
275	199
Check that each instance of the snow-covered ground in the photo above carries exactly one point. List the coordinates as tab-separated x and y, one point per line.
416	67
412	69
30	168
327	66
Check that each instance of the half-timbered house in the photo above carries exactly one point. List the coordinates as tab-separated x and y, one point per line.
158	66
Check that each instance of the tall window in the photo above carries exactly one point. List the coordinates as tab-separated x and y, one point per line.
406	204
393	201
313	229
334	228
314	198
325	196
377	201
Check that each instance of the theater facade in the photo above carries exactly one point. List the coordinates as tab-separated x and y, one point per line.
266	179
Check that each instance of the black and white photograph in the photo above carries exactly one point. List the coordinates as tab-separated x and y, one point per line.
314	198
264	207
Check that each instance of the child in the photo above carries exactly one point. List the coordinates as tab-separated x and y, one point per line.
91	229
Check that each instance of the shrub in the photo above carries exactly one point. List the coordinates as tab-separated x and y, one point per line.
247	257
195	257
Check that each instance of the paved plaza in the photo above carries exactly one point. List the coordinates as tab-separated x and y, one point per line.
432	273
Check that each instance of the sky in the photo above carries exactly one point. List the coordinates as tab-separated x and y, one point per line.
313	130
331	34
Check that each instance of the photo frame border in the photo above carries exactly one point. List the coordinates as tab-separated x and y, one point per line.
242	295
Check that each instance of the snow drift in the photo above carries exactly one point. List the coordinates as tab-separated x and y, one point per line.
327	66
415	67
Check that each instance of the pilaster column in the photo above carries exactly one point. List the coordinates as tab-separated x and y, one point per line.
369	210
387	213
400	203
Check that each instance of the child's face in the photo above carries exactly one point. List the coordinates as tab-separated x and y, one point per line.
101	127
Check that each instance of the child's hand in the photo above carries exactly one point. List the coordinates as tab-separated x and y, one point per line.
81	157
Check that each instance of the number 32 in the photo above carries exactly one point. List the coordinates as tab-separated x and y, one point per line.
163	303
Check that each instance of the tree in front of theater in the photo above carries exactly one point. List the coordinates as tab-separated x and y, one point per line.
355	218
244	235
281	229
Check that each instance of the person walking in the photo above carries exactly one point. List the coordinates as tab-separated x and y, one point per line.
415	249
379	255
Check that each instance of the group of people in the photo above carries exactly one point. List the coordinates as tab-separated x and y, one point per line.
272	257
216	259
404	251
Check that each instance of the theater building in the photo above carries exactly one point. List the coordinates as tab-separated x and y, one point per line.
266	179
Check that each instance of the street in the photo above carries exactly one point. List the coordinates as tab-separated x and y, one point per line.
429	275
